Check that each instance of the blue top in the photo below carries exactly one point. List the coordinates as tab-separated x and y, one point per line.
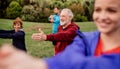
80	55
56	23
18	38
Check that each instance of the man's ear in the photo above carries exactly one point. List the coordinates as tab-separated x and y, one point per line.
70	17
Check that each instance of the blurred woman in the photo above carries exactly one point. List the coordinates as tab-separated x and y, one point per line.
17	35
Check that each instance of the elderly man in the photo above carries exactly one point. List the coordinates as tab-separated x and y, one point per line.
64	36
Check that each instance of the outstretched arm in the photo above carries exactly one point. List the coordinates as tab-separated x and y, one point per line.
63	36
6	31
11	58
17	35
60	36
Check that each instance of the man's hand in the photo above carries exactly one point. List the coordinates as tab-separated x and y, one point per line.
39	36
11	58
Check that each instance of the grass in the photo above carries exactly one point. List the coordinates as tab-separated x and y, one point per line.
39	49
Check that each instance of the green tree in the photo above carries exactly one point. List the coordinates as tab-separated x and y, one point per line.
26	2
13	10
21	2
82	9
88	8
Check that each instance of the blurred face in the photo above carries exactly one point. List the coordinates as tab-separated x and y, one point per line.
56	10
106	15
64	18
17	26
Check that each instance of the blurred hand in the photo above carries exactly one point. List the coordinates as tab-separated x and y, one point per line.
11	58
51	19
39	36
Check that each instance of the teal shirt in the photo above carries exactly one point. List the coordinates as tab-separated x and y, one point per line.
56	23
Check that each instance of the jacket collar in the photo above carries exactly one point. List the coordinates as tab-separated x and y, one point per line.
90	40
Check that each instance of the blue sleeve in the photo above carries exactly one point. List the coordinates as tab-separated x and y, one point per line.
17	35
69	57
6	31
74	58
56	19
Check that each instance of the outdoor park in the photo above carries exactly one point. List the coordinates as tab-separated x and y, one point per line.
39	49
59	34
35	13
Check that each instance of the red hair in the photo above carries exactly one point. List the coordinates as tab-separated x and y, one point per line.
18	20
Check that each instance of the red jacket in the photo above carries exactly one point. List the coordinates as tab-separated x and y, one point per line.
63	37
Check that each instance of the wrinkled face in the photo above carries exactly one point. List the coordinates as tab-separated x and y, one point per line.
64	18
106	15
56	10
17	26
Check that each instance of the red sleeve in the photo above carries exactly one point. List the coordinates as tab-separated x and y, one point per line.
67	35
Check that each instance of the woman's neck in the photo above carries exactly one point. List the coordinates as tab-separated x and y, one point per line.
111	40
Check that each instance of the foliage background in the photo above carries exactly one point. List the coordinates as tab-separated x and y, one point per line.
40	10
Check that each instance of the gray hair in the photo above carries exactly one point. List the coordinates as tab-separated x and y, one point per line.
68	11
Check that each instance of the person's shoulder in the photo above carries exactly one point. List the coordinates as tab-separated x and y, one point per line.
60	27
21	31
73	24
54	15
89	35
93	33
